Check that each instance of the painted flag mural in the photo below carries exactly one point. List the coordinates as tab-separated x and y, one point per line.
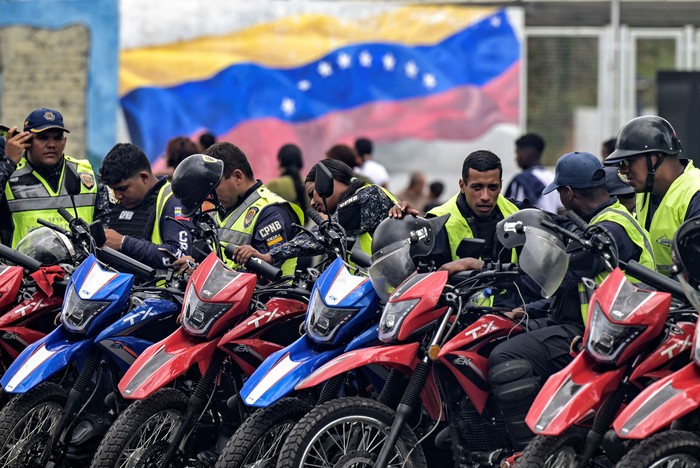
414	72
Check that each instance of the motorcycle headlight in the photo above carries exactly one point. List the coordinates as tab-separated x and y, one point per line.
77	313
199	316
607	340
324	321
392	317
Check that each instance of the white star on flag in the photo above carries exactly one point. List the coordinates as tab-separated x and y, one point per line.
344	60
365	59
325	69
288	106
304	85
496	22
389	62
411	69
429	80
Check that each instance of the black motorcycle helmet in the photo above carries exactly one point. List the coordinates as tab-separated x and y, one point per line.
396	244
194	179
686	255
645	134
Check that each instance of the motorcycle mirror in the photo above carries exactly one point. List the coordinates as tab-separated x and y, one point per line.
71	180
470	248
324	181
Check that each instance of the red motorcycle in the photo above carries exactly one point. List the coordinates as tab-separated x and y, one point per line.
665	415
631	340
438	337
183	382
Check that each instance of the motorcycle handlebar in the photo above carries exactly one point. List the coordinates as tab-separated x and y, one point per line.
361	258
53	226
655	280
577	220
315	216
66	215
19	258
256	265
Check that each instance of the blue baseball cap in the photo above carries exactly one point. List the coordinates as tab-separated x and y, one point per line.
44	119
577	170
615	182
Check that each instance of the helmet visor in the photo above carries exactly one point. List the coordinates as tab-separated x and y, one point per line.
543	259
390	267
46	246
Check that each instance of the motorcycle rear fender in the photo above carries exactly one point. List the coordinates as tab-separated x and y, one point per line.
164	361
660	404
44	358
571	394
282	371
400	356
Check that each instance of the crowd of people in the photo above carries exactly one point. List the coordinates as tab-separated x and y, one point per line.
640	189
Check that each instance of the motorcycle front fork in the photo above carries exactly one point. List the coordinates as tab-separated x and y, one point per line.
197	404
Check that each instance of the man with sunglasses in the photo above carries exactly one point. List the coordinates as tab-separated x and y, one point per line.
668	187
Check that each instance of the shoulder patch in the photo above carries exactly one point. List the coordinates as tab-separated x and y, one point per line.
270	229
349	201
87	179
250	216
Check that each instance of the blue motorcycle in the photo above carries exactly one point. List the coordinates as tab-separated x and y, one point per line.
343	315
65	383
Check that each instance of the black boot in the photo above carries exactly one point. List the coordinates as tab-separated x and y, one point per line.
515	386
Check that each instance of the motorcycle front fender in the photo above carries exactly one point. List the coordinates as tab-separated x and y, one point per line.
164	361
282	371
570	394
42	359
399	356
660	404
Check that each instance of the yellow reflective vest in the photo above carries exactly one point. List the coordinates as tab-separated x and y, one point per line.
618	214
238	228
30	197
669	215
457	227
365	239
165	192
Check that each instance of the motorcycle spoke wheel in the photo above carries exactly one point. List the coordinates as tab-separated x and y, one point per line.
351	441
27	423
565	457
677	461
266	452
150	441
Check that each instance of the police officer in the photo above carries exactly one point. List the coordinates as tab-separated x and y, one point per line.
476	210
519	365
138	224
355	205
32	177
253	215
668	188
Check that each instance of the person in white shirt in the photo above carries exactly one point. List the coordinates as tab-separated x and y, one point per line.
370	168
